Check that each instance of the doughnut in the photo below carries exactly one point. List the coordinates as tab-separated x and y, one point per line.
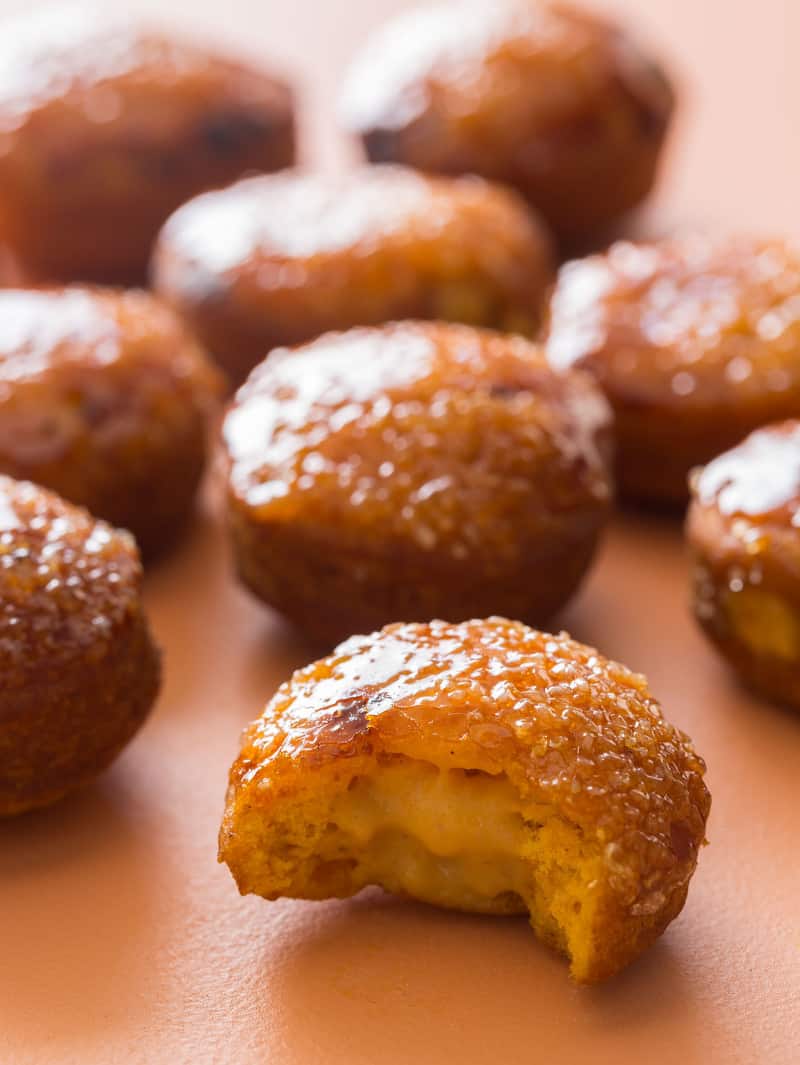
412	471
105	398
696	342
484	767
743	529
279	260
558	103
106	127
78	668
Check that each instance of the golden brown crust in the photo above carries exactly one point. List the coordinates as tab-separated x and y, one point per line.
107	127
743	529
282	259
417	470
78	668
105	398
556	102
570	730
694	341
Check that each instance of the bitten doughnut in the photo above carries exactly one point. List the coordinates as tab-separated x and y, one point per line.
105	398
484	767
561	104
78	668
695	341
414	471
743	529
281	259
105	127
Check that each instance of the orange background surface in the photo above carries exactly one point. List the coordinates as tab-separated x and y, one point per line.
121	940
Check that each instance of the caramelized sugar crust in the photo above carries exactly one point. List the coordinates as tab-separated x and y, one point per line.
105	127
590	807
556	102
78	667
281	259
417	470
743	529
695	342
105	398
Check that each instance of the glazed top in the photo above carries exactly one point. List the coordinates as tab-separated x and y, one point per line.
49	331
570	728
278	225
497	68
692	321
74	58
78	359
759	479
424	431
67	582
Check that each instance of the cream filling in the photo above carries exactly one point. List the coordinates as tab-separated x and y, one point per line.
451	838
460	839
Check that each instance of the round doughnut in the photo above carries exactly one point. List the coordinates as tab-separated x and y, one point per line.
413	471
78	668
105	398
743	529
561	104
282	259
695	341
484	767
105	127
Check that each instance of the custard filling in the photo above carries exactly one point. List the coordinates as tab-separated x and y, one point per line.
461	839
767	624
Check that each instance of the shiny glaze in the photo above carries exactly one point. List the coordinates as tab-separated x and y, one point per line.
760	479
119	352
281	259
67	582
43	328
548	98
568	727
440	433
63	48
105	398
438	53
287	218
106	127
79	671
695	321
70	53
743	531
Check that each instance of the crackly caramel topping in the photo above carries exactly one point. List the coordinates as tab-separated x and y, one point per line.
505	68
72	54
281	227
429	432
569	728
67	582
759	479
84	363
46	328
682	322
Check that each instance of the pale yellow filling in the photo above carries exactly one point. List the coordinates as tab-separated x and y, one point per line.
462	840
765	622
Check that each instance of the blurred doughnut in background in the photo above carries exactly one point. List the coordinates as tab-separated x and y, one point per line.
105	127
105	398
696	341
281	259
555	101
